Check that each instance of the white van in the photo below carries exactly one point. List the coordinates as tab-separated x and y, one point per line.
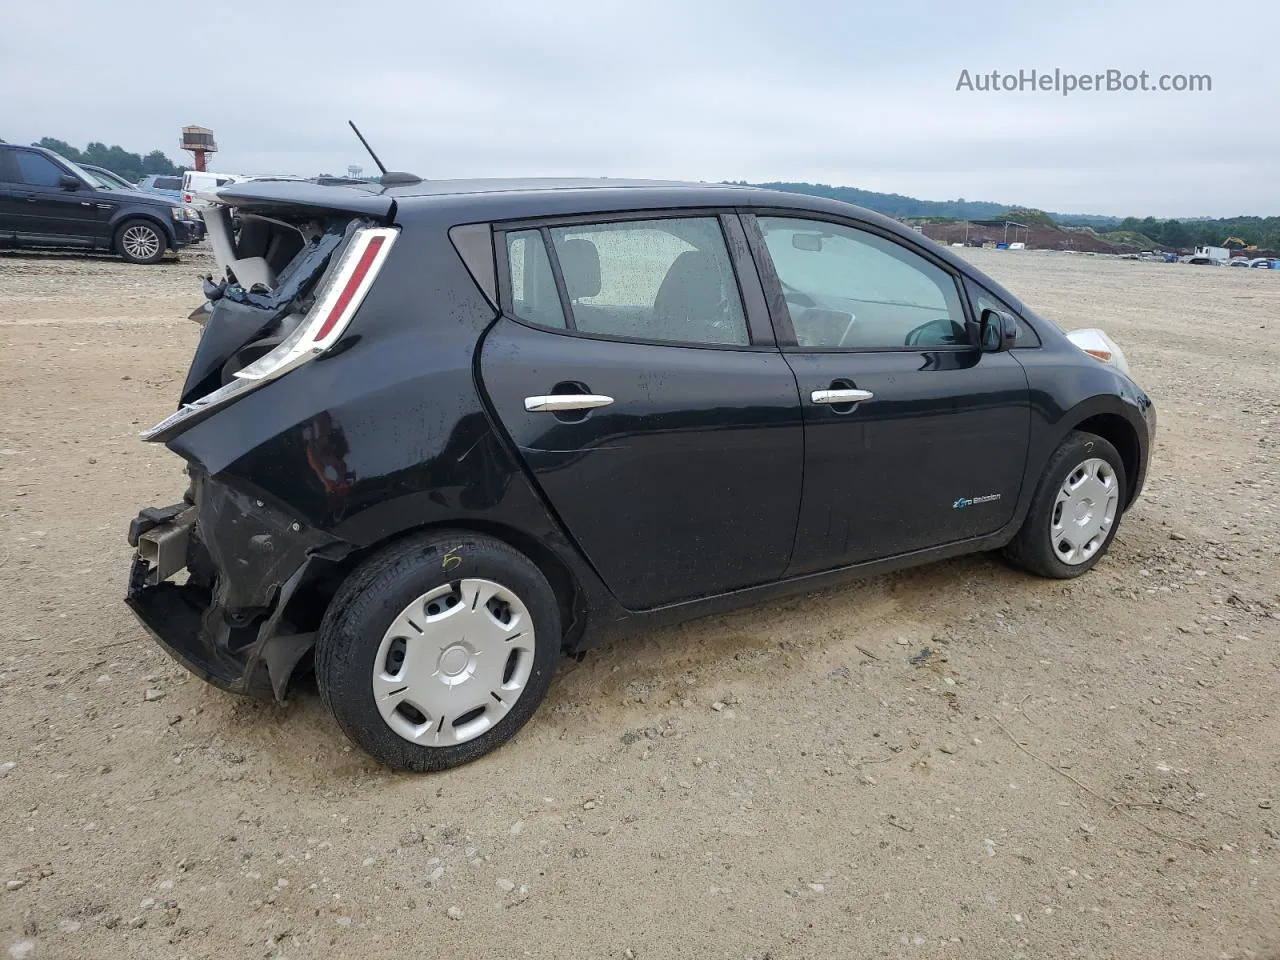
194	181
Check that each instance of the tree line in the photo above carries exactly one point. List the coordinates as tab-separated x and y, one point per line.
1262	232
132	166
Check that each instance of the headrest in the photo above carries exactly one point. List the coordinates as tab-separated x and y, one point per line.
580	264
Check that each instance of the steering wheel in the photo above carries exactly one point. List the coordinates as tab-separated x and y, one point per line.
791	295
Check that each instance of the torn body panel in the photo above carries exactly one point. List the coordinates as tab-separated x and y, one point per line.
245	561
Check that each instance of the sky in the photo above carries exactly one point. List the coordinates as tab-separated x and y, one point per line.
845	93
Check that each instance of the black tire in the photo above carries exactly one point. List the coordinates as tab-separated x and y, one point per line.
370	600
130	241
1032	549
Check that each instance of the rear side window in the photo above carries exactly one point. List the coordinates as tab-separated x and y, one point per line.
667	280
533	286
167	183
37	170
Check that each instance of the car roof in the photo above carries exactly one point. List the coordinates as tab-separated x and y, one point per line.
480	200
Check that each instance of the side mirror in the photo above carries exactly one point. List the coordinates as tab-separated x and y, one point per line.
997	331
68	182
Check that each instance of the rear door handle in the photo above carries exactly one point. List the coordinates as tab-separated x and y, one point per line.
565	401
841	396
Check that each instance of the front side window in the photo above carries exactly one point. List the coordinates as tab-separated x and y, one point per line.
982	299
851	289
663	279
37	170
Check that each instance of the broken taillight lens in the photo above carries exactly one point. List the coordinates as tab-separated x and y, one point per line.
336	302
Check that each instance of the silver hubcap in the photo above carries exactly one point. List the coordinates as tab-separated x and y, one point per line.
1084	511
141	242
453	663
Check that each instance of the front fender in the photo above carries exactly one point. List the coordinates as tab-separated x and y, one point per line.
133	213
1066	393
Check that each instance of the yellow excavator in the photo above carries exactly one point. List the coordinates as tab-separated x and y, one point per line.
1236	243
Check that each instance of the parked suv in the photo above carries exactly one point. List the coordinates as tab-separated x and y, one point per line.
48	201
163	185
439	433
113	181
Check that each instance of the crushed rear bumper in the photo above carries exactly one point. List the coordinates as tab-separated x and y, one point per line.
244	561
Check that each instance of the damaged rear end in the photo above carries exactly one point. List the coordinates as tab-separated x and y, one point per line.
214	574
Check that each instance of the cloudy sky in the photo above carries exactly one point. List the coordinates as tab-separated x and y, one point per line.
852	93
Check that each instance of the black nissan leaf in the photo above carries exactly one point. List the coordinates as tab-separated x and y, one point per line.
439	434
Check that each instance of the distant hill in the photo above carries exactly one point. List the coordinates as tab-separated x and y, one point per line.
1260	232
894	204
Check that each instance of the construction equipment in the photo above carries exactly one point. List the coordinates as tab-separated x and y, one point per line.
1236	243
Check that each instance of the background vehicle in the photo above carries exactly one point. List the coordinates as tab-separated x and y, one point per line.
194	181
108	180
48	201
162	185
553	412
112	181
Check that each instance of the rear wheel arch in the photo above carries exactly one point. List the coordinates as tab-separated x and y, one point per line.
308	605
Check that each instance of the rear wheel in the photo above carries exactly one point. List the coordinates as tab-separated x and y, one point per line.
1076	510
140	241
438	650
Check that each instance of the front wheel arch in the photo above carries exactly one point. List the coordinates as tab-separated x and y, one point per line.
1121	434
166	238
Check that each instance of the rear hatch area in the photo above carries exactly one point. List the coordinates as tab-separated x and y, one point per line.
274	242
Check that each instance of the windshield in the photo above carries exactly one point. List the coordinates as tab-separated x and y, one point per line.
108	180
78	170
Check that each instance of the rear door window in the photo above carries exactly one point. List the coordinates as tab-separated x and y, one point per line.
534	296
665	280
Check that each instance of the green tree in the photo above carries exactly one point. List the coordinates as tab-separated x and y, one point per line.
117	159
1173	234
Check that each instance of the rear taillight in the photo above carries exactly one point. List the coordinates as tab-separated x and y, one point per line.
336	301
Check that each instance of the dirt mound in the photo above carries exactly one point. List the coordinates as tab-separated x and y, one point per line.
1036	237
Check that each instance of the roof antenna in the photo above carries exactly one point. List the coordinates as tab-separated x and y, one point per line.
388	179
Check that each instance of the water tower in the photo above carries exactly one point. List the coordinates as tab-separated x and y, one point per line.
199	142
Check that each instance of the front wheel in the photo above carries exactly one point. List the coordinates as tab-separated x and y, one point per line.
1076	510
140	241
438	650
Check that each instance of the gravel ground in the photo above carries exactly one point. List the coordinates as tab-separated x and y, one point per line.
956	761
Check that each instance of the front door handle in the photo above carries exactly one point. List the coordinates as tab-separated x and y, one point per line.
556	402
841	396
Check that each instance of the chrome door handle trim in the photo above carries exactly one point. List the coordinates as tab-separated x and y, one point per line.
565	401
841	396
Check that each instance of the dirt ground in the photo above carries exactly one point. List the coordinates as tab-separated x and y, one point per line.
956	761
